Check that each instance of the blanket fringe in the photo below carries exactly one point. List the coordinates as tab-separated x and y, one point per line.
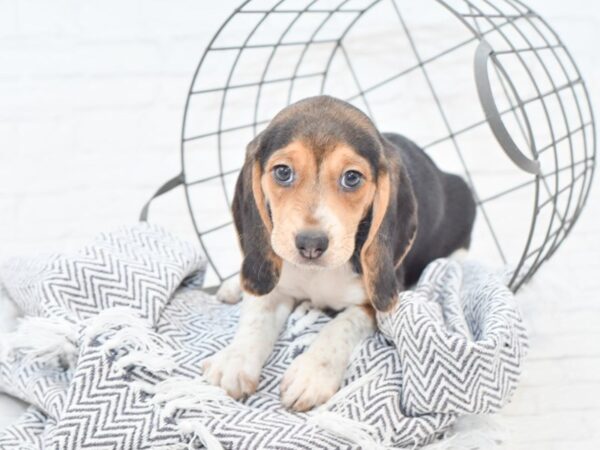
186	393
146	348
195	394
149	350
472	432
43	340
195	432
468	433
199	432
358	433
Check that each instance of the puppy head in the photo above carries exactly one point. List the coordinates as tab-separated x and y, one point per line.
324	193
317	197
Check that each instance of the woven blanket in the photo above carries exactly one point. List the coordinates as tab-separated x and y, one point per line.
108	356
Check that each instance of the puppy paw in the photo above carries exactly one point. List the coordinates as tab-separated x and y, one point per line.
459	255
310	381
234	369
230	291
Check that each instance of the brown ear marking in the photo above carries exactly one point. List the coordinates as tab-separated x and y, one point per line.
261	267
391	233
259	196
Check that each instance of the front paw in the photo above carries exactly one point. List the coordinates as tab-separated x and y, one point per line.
234	369
230	291
310	381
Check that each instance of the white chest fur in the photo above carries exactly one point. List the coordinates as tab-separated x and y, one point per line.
326	288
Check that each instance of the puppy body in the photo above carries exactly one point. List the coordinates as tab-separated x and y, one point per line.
367	239
335	288
445	212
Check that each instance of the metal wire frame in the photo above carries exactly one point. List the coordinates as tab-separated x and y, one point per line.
474	15
552	235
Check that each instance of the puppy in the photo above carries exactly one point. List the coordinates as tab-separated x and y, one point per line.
330	210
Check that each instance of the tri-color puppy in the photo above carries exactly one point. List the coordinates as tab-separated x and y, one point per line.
328	209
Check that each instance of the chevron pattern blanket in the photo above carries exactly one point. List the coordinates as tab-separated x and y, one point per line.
109	351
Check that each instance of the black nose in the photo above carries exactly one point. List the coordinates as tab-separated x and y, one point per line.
311	244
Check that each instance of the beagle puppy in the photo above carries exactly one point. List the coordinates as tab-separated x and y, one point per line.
330	210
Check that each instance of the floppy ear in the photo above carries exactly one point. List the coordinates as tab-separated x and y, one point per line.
261	267
392	230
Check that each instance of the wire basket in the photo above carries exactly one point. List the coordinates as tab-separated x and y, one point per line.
485	87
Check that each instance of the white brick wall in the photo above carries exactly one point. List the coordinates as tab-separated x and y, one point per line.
91	98
91	101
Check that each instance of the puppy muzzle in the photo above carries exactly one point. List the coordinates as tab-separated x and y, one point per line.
312	244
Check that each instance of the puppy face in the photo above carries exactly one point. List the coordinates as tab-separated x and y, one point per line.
317	196
320	187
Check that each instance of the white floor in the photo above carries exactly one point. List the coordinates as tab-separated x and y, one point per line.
90	114
558	403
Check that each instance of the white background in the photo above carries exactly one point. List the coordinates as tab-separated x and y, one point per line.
91	103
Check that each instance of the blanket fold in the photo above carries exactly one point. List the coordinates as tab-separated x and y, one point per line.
108	355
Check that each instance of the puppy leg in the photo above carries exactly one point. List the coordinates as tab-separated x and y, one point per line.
237	367
230	291
459	255
316	375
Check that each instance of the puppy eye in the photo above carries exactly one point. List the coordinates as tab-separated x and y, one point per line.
284	175
351	180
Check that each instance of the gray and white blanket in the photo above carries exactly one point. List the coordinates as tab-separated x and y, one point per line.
108	356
